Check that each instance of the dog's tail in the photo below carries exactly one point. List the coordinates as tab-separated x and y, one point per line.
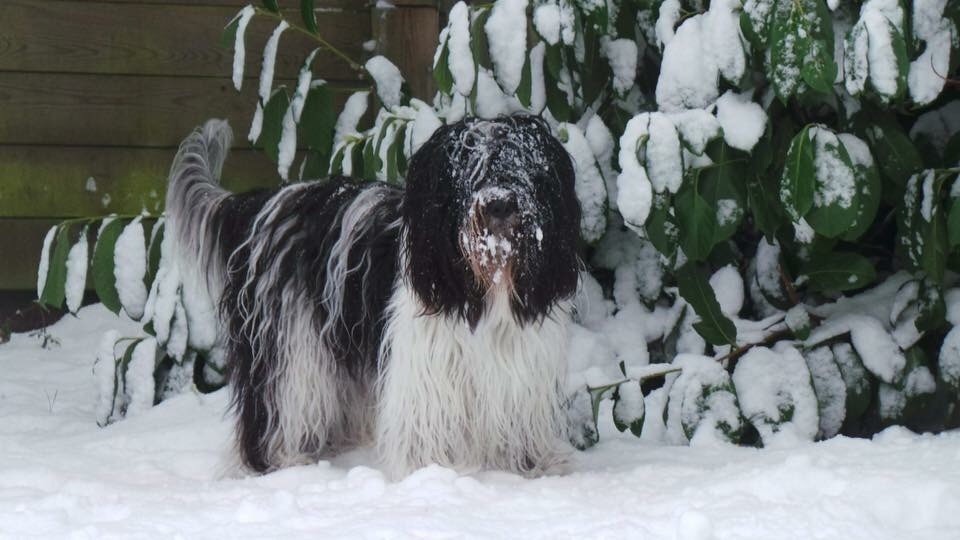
193	219
194	186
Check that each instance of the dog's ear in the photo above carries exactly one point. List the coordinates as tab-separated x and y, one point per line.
553	273
436	268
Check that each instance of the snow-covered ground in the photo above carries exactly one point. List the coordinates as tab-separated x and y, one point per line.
159	475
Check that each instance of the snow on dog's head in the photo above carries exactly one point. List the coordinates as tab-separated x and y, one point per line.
490	207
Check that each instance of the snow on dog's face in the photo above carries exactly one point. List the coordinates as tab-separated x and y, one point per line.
490	206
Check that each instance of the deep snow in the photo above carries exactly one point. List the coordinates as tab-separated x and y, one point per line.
160	475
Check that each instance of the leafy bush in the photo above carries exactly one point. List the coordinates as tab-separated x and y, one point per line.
769	194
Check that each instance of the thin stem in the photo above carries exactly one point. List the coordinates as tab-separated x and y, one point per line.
354	65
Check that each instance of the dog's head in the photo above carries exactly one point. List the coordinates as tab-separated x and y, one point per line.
490	206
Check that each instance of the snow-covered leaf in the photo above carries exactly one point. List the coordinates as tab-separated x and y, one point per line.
776	395
628	407
130	268
797	184
836	196
702	404
273	113
76	278
801	47
830	388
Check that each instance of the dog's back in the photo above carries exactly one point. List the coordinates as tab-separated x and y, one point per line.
302	276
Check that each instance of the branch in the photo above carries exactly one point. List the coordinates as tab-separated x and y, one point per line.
354	65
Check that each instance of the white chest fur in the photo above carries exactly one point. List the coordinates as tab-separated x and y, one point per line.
489	397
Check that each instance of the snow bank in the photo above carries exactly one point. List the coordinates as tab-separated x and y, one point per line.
162	475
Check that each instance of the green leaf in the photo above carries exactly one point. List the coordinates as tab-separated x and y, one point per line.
819	69
441	71
694	287
839	271
154	253
797	181
54	288
318	120
316	165
755	28
896	155
801	43
271	5
273	113
870	194
396	164
478	40
721	186
336	164
104	279
858	382
525	89
922	226
953	224
228	39
697	221
661	226
371	162
557	99
308	15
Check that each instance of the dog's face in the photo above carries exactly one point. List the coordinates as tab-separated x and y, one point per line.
490	205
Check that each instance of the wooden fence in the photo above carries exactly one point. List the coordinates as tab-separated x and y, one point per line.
95	95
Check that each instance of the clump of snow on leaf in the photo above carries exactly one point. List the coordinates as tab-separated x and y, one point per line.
460	56
77	260
622	55
44	267
266	79
349	117
836	181
702	406
728	287
742	120
876	347
776	395
506	30
239	50
139	384
104	372
589	184
387	79
130	267
927	73
704	48
546	20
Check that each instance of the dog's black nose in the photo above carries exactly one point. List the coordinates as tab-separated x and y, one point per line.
501	209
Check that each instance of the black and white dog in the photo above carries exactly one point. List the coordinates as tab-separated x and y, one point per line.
429	320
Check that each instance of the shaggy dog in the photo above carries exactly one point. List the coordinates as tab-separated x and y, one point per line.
428	319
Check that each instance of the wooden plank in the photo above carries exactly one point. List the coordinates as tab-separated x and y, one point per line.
118	110
320	4
408	37
20	246
49	181
178	40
